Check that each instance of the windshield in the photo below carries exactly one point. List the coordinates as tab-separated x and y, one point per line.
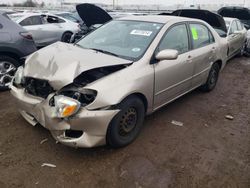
126	39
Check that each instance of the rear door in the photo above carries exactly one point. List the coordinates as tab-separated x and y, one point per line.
53	28
233	38
34	24
173	77
203	53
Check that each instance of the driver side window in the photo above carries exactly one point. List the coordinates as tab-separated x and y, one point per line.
176	39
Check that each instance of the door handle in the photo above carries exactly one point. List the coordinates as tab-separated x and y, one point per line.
189	59
213	49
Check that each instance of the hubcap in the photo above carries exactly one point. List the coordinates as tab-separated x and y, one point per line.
7	71
128	122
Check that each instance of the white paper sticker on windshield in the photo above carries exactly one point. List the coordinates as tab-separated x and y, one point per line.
141	32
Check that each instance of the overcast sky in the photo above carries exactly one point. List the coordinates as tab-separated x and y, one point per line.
165	2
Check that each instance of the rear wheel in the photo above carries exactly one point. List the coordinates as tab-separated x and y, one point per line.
8	67
66	37
212	78
126	125
242	51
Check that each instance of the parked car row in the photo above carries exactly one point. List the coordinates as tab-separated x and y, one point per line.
229	28
99	89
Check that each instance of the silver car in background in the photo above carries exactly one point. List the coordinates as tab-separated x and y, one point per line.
46	28
99	90
236	37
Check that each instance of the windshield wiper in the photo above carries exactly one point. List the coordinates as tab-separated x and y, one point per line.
105	52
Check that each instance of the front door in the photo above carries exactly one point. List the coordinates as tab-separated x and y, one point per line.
173	77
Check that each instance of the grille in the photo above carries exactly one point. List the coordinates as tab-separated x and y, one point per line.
37	87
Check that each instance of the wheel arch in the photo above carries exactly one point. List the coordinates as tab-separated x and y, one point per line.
219	62
67	31
12	54
141	96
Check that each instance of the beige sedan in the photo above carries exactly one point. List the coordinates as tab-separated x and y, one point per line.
98	91
236	36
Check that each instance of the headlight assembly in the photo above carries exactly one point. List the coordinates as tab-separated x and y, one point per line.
66	106
83	96
19	76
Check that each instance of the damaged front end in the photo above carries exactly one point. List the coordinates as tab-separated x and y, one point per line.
64	111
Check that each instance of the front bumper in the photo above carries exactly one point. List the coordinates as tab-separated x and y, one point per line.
93	124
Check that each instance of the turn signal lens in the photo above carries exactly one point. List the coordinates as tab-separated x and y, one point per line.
66	106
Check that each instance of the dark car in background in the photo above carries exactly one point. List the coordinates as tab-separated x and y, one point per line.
15	44
242	13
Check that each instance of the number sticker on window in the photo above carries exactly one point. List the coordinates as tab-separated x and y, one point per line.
141	32
194	33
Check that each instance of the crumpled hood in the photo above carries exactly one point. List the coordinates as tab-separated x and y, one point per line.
92	14
60	63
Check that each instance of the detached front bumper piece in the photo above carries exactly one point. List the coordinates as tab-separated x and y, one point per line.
85	129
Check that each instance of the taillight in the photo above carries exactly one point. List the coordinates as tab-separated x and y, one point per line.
26	35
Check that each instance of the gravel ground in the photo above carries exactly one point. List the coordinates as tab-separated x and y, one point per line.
207	151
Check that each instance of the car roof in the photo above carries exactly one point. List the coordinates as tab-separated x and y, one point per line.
32	14
158	18
26	15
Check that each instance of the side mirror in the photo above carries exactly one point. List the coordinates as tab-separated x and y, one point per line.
168	54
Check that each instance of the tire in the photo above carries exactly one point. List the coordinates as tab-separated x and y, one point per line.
66	37
126	125
212	78
6	75
242	51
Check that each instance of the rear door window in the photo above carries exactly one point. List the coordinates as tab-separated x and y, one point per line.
54	19
201	35
233	28
239	25
33	20
176	39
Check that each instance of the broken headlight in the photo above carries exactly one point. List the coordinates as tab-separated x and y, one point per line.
19	76
66	106
84	96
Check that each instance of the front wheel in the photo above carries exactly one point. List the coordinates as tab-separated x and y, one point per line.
8	67
212	78
126	125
